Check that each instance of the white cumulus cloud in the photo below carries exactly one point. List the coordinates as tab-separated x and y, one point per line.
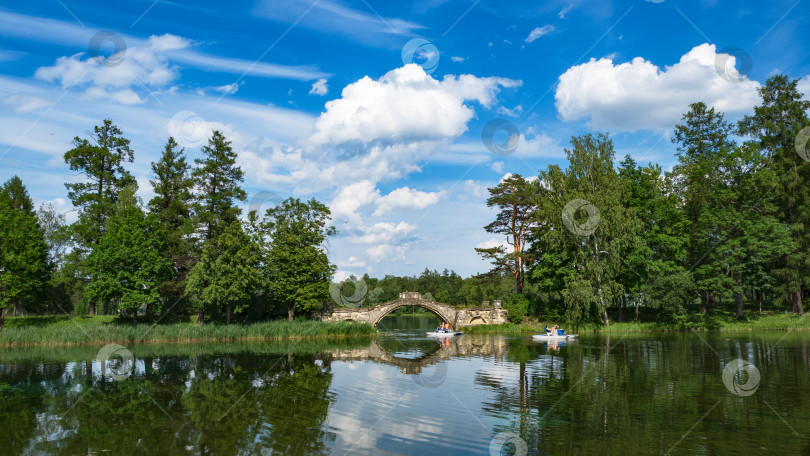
142	65
406	198
639	95
405	105
350	198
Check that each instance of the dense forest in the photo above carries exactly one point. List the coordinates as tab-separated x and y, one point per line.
601	237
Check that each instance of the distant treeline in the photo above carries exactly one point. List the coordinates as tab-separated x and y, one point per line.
445	287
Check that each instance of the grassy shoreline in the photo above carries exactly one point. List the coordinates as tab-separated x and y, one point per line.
55	331
776	322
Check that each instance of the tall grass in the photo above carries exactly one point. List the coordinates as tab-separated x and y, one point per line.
714	322
75	332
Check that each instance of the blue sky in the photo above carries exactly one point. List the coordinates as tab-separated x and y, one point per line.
320	100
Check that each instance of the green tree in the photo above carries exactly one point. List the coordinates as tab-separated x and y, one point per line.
14	195
172	204
24	268
102	163
127	262
297	268
657	259
773	129
704	147
586	229
227	275
514	197
217	180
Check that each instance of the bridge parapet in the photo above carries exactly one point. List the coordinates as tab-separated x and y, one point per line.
457	317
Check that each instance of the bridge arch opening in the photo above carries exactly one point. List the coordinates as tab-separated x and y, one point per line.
396	305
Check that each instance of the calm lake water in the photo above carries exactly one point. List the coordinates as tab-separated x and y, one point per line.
402	393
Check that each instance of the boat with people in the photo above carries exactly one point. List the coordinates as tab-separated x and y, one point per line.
443	330
443	333
554	337
554	333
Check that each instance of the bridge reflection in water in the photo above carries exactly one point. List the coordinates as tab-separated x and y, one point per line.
458	346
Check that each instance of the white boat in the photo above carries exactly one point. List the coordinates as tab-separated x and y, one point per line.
444	334
558	337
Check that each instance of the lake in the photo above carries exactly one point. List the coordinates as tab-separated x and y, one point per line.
402	393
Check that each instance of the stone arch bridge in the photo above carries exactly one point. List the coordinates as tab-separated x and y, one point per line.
457	317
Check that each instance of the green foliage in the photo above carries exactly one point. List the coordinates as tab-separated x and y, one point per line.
297	269
172	205
772	130
580	253
517	307
24	267
217	180
669	292
127	263
101	162
14	195
24	270
228	274
727	224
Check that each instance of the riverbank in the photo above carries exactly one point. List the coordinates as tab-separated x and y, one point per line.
85	330
774	322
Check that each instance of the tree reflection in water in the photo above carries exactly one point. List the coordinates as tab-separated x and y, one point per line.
617	394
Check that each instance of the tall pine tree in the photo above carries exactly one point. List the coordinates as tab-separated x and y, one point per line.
216	180
773	129
514	196
704	147
24	268
172	204
101	160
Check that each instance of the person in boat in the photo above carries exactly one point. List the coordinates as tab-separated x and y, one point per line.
440	328
446	327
